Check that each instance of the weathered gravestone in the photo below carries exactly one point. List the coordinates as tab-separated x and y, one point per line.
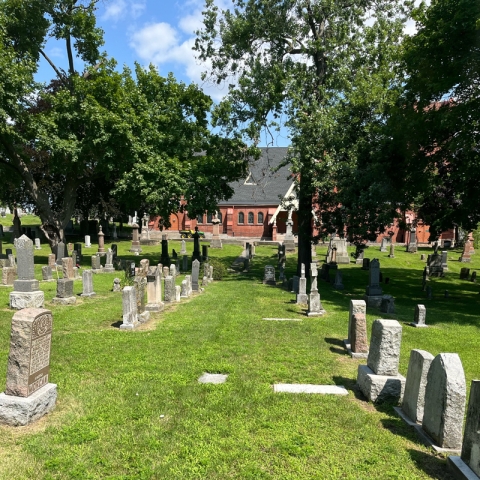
366	264
412	246
135	247
338	282
154	291
26	290
384	244
8	276
373	295
445	261
434	265
470	457
87	287
178	292
315	308
464	273
87	241
60	253
216	241
64	292
414	396
392	251
195	274
445	396
28	394
302	297
184	289
205	253
388	304
269	275
289	239
129	300
465	257
183	248
357	328
196	246
140	285
117	287
419	316
47	274
379	380
173	270
67	268
109	268
37	244
169	289
96	264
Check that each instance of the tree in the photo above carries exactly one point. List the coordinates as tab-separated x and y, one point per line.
92	130
435	131
317	64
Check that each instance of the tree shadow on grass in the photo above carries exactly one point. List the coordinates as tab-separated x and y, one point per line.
339	348
351	385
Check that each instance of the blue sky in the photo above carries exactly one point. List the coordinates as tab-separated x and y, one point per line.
148	31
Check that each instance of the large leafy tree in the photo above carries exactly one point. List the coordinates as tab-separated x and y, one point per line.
435	132
325	68
93	131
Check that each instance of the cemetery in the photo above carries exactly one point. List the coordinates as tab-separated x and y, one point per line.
172	371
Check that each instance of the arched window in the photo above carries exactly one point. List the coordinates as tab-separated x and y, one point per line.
209	218
260	217
250	217
199	218
241	217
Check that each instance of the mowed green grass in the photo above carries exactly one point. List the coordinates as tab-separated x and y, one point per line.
130	405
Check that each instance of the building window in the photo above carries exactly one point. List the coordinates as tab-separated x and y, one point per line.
209	218
199	218
241	217
260	217
219	216
250	217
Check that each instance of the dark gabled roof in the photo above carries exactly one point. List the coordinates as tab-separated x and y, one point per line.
263	185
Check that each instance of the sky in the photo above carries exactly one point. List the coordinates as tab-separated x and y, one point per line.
148	31
154	31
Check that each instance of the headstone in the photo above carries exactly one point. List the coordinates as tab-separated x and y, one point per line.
473	278
8	276
445	261
184	263
383	245
269	275
184	289
101	241
178	291
60	253
302	297
154	292
165	272
471	438
464	273
188	278
205	253
392	251
210	274
26	290
196	245
37	244
337	251
183	248
47	274
28	394
67	268
373	296
465	257
129	299
195	274
116	285
8	252
419	316
388	304
204	281
422	257
216	242
429	292
11	259
289	240
96	264
315	307
412	246
414	396
51	261
135	247
64	292
109	268
115	234
356	306
169	289
338	283
360	254
434	265
140	284
87	277
165	257
366	264
87	241
359	343
379	380
325	272
173	270
296	284
445	396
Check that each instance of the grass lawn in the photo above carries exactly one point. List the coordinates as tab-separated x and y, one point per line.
130	406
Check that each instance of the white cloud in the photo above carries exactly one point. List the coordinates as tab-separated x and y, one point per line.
119	9
155	42
115	10
56	52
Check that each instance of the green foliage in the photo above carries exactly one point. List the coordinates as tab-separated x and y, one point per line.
319	70
219	269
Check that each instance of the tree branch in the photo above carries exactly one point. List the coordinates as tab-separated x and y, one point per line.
57	71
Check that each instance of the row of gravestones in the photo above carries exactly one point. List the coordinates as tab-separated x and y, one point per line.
433	395
148	283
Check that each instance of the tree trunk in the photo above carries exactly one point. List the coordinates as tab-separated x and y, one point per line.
304	217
